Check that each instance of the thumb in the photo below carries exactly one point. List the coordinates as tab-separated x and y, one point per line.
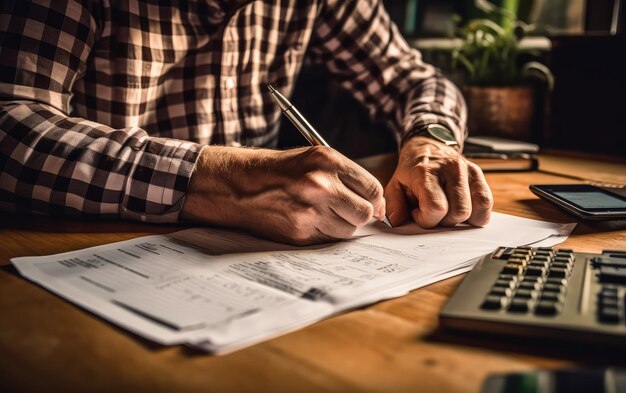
397	209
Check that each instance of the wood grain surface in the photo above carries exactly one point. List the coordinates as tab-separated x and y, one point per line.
48	344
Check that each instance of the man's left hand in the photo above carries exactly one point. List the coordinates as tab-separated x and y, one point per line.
436	185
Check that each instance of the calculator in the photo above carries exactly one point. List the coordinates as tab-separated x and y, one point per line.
545	292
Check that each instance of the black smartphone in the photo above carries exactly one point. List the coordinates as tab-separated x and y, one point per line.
583	200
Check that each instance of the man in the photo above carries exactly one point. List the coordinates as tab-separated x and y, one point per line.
139	110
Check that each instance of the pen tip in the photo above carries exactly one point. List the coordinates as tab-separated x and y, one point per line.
271	88
386	221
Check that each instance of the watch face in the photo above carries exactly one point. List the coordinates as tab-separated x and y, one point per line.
442	134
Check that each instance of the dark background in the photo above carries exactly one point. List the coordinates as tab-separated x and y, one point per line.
586	111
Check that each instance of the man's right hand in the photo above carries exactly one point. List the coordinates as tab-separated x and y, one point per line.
299	196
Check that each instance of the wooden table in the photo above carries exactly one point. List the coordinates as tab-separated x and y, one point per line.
48	344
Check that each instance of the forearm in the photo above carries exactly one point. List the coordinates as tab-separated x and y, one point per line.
57	165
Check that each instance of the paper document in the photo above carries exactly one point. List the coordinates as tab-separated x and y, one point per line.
222	290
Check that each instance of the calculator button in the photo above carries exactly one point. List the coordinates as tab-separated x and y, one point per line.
612	274
511	268
541	258
518	261
563	259
553	288
558	272
556	281
609	315
519	305
611	302
535	271
526	293
552	296
547	307
539	264
492	302
500	291
609	290
507	277
561	265
533	279
504	283
532	286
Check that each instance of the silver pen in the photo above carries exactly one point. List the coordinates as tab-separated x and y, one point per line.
305	128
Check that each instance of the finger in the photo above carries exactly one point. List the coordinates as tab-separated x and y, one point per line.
334	227
432	202
350	206
458	194
352	175
309	225
363	184
482	198
397	208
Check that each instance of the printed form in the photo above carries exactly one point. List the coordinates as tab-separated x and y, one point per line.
222	290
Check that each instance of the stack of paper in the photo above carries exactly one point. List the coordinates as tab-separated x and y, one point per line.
220	290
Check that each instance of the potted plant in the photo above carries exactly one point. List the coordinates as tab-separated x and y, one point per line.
496	82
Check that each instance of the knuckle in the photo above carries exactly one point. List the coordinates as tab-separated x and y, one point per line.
425	173
347	232
374	190
457	166
438	207
300	225
322	154
483	199
364	215
461	214
317	181
431	185
424	168
301	240
472	167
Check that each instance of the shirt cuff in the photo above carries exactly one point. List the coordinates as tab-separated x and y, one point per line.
158	180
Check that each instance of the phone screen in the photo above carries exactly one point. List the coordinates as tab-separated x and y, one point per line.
592	199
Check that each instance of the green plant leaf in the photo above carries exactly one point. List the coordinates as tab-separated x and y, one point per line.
489	53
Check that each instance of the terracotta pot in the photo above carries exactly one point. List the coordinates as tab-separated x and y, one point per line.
506	112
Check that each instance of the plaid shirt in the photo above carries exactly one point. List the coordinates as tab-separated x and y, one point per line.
106	105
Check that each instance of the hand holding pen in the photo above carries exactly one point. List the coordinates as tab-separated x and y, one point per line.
305	128
300	196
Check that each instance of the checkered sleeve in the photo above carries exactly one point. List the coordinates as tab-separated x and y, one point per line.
55	164
364	50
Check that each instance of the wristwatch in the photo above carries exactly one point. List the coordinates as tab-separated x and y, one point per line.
434	131
442	134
